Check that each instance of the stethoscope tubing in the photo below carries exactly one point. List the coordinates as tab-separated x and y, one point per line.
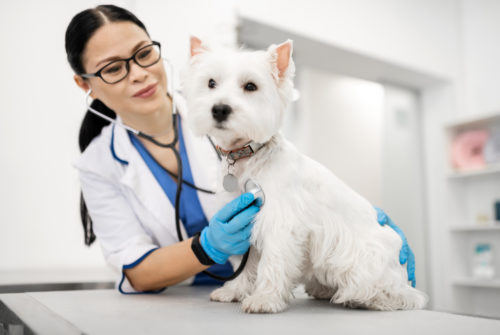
180	181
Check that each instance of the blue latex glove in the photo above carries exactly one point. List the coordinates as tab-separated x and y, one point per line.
228	232
406	254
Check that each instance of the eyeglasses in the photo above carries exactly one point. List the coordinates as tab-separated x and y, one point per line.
117	70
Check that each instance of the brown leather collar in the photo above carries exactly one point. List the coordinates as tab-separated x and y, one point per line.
245	151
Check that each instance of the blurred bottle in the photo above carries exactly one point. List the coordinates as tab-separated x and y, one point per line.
497	211
483	262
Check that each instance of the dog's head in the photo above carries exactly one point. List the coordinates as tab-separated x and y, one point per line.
238	96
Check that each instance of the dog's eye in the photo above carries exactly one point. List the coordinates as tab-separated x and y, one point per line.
212	83
250	87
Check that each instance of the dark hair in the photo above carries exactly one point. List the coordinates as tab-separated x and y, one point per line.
79	31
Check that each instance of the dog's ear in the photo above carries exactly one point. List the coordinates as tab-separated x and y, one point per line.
197	46
281	57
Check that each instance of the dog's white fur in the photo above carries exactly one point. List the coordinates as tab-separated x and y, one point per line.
313	229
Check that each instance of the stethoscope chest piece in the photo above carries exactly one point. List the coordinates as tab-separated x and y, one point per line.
256	190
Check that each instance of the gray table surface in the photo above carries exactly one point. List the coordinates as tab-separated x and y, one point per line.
186	310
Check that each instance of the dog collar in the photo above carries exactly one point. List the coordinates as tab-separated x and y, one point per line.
245	151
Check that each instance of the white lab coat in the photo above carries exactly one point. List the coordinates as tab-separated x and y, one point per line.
130	212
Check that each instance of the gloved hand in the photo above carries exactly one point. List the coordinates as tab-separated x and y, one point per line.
405	254
228	232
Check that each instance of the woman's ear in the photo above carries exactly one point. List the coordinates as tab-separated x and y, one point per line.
83	84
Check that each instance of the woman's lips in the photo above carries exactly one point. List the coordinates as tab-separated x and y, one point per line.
146	92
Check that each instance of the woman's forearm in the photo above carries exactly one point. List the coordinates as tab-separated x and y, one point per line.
164	267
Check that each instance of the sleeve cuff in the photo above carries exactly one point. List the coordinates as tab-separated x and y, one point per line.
125	287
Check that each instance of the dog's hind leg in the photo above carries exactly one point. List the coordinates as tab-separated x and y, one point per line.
398	298
317	290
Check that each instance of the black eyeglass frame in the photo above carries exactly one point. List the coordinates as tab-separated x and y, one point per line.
127	64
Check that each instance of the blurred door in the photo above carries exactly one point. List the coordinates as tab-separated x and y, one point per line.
403	172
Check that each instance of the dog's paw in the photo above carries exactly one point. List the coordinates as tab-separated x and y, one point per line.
224	294
263	304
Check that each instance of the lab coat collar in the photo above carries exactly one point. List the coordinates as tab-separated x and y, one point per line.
112	145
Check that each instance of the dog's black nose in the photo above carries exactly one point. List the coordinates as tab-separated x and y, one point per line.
220	112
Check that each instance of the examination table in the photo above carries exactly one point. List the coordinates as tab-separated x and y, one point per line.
188	310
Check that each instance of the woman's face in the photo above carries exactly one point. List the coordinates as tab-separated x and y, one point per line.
119	40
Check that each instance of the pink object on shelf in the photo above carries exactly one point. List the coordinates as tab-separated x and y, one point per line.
468	149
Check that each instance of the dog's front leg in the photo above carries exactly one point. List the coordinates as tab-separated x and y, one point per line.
277	274
240	287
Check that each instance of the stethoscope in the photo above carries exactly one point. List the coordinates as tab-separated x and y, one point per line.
250	186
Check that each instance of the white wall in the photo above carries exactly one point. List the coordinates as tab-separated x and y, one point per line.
340	125
481	52
39	122
419	34
172	23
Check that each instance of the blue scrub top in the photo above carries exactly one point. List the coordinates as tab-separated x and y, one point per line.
190	211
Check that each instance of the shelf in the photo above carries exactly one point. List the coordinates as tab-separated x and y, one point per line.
468	189
471	228
474	122
473	282
475	172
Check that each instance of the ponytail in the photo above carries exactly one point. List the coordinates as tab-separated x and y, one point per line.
93	124
91	127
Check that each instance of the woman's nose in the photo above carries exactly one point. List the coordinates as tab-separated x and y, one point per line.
137	73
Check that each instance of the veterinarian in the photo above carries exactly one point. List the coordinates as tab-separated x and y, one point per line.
129	183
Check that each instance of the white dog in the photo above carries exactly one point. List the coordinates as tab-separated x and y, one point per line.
313	229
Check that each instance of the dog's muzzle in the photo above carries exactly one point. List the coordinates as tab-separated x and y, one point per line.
220	112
